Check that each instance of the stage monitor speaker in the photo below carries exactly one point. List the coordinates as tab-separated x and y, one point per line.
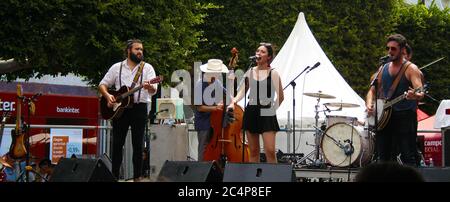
446	147
190	171
107	161
435	174
81	170
258	172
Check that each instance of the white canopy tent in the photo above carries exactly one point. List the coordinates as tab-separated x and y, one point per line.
299	51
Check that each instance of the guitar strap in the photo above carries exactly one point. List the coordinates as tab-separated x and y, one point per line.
135	79
138	74
397	79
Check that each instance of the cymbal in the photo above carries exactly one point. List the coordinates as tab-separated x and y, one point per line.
4	162
340	104
319	95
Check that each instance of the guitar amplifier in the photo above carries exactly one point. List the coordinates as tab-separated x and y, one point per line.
169	108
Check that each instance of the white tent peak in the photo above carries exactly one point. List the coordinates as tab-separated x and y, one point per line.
301	50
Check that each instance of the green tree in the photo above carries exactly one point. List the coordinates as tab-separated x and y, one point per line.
86	37
346	31
428	32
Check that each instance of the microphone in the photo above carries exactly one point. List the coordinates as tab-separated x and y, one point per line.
161	111
328	110
385	59
348	147
313	67
255	57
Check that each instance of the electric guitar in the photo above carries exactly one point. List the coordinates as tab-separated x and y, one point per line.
17	150
384	109
124	99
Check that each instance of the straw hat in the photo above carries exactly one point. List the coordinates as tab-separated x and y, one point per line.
214	66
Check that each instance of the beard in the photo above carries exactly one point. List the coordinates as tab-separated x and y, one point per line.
135	58
396	57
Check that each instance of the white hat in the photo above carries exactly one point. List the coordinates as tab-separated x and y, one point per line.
214	66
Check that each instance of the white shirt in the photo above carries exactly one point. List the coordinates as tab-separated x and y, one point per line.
112	78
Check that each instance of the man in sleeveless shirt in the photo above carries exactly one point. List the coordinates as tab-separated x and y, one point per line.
399	135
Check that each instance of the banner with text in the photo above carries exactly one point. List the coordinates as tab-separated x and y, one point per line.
65	143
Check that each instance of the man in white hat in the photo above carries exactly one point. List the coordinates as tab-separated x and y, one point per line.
209	101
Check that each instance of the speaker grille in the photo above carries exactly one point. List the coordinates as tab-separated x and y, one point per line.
81	170
190	171
258	172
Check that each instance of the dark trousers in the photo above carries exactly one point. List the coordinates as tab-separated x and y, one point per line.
136	117
203	137
399	137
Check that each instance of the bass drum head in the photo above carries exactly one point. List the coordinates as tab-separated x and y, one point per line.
335	145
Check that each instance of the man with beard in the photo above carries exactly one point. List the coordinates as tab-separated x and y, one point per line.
123	74
399	135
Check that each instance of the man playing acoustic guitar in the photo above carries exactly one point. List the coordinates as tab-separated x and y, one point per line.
399	82
131	72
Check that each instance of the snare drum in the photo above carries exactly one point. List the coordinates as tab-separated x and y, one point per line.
345	145
332	119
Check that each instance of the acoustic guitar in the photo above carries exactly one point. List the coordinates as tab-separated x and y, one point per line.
384	109
124	99
17	150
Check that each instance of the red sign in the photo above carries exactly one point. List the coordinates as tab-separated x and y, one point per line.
59	147
53	109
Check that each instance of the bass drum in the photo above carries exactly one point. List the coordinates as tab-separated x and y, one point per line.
333	119
344	145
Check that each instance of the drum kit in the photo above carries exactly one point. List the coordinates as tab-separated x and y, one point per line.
342	141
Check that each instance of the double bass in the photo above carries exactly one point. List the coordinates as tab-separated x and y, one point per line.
226	144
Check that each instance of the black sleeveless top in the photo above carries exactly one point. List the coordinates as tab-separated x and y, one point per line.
261	92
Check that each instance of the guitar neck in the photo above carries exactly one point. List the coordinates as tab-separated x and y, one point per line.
131	91
19	110
153	81
395	100
403	96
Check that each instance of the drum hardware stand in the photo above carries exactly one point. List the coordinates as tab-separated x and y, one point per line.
30	104
349	150
318	133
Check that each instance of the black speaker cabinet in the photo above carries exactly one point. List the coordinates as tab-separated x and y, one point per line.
446	147
258	172
190	171
435	174
81	170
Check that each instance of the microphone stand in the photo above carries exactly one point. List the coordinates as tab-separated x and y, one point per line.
293	84
374	83
245	102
